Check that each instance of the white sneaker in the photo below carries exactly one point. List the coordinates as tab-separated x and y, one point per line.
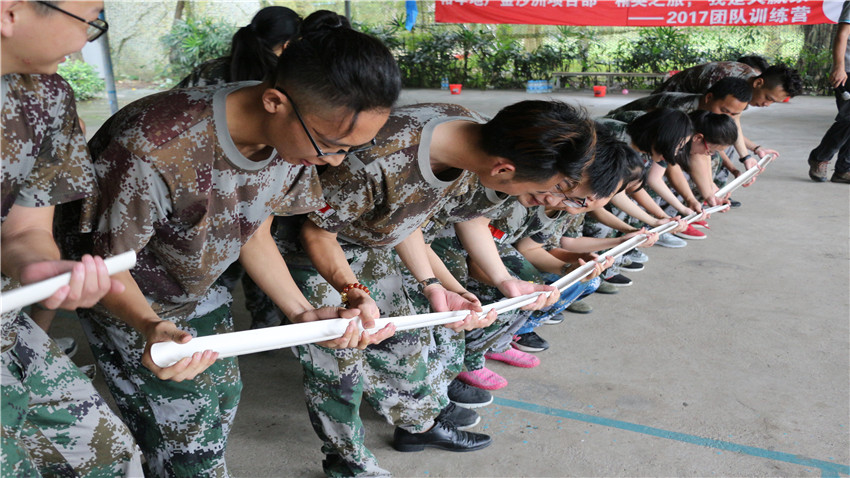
67	345
669	240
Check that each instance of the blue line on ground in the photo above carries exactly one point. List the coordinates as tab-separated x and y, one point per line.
828	469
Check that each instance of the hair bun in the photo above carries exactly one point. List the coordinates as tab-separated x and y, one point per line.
324	20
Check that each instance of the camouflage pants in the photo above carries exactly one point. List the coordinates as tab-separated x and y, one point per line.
395	377
498	335
568	296
54	423
182	427
264	312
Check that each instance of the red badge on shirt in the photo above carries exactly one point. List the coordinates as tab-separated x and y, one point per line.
325	211
497	234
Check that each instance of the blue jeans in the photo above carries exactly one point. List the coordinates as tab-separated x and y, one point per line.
568	296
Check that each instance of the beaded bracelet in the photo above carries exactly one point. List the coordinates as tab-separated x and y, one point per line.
355	285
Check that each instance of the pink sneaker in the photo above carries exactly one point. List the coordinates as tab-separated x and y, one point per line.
483	378
514	357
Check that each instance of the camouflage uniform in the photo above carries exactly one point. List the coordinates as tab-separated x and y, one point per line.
439	231
686	102
54	423
215	72
374	201
175	189
264	312
698	79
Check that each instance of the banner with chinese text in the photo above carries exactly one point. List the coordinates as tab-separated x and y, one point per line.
643	13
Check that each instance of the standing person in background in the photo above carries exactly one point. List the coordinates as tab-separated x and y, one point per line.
254	52
54	423
837	137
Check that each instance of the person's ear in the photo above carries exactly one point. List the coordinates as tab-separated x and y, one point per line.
8	15
274	101
758	83
709	97
503	168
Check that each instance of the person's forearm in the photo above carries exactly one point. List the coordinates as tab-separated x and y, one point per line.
585	245
25	238
645	201
656	182
538	256
327	255
605	217
680	184
442	273
839	46
130	306
643	211
414	253
727	163
478	242
701	174
262	261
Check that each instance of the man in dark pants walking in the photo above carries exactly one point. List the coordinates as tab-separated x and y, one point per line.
837	137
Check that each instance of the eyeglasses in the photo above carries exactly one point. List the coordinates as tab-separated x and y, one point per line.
96	28
569	201
319	152
708	149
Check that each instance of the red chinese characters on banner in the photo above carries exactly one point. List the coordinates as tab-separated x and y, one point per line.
639	12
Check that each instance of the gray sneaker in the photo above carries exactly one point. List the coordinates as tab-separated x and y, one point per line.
606	288
671	241
580	307
637	256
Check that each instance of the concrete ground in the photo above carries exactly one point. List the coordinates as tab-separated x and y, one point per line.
728	357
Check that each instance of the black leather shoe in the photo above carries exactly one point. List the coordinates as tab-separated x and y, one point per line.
443	435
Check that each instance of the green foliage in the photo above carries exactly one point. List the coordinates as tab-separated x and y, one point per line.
194	41
83	79
657	50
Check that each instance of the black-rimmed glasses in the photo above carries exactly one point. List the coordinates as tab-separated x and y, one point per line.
96	28
319	152
569	201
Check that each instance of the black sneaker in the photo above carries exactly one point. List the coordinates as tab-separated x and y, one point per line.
632	266
462	418
468	396
619	280
443	435
734	204
530	342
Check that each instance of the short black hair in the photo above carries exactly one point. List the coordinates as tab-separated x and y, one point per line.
541	139
755	61
716	128
662	130
615	164
784	75
732	85
331	65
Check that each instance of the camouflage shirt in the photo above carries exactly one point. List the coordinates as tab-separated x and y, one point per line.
476	202
175	189
686	102
698	79
379	197
512	221
565	225
215	72
44	156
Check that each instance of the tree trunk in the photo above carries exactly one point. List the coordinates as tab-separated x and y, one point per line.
815	66
178	10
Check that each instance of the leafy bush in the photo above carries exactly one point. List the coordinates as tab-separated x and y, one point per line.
194	41
83	79
657	50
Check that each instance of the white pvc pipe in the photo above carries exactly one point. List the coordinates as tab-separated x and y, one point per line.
744	177
30	294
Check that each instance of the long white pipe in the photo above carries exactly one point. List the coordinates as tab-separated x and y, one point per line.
30	294
165	354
